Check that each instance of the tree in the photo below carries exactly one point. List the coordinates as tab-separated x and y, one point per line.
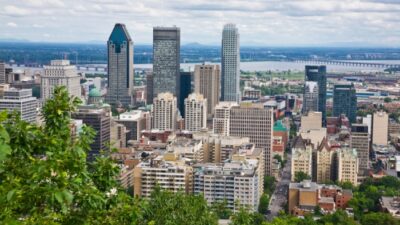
221	209
45	178
264	203
378	219
279	159
269	184
387	100
242	217
299	176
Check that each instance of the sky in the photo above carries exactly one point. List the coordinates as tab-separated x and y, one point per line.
260	22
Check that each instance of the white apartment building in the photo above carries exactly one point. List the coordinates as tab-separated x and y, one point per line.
347	169
20	100
301	157
221	118
233	181
195	112
168	175
164	111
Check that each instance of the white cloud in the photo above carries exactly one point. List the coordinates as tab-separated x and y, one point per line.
272	22
12	24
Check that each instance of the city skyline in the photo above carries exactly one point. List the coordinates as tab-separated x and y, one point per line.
278	23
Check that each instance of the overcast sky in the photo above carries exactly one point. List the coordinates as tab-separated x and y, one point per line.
260	22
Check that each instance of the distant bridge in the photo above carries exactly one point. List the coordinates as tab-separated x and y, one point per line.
349	63
92	67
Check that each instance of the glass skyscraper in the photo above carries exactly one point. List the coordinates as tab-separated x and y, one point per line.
120	67
345	101
166	60
318	74
230	61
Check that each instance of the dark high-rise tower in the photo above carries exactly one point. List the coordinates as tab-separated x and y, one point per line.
185	90
345	101
166	60
318	74
120	67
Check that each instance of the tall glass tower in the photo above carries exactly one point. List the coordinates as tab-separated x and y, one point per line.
345	101
318	74
166	60
230	76
120	67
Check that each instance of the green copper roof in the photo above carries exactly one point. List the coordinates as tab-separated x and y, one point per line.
94	93
278	126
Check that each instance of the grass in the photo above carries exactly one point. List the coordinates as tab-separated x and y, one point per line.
266	75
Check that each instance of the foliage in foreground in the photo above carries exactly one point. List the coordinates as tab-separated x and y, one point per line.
45	178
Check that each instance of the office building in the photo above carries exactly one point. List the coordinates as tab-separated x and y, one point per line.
230	62
347	165
120	67
99	119
21	101
301	157
318	74
196	112
311	121
310	99
135	123
187	148
345	101
171	175
360	141
164	112
236	182
166	60
2	72
207	82
185	90
222	117
302	197
149	88
60	73
255	122
118	135
380	124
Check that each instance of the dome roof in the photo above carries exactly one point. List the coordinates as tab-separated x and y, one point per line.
94	93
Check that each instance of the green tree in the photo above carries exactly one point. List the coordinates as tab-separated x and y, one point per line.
242	217
269	184
299	176
387	100
378	219
221	209
264	203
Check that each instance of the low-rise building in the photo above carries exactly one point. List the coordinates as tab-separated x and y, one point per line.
390	205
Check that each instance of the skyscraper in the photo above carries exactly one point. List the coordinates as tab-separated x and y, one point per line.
360	141
166	60
207	82
60	73
185	90
345	101
230	61
310	99
20	101
380	124
149	88
195	112
164	112
2	72
318	74
120	67
100	120
255	122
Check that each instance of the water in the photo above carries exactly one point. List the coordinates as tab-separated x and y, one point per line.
266	66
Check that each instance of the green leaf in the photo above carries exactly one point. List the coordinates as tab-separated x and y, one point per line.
4	151
59	197
68	196
10	194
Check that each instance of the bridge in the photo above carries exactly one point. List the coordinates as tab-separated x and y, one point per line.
348	63
92	67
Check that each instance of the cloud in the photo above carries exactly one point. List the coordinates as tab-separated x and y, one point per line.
263	22
12	24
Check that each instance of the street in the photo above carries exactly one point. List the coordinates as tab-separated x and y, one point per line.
279	197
